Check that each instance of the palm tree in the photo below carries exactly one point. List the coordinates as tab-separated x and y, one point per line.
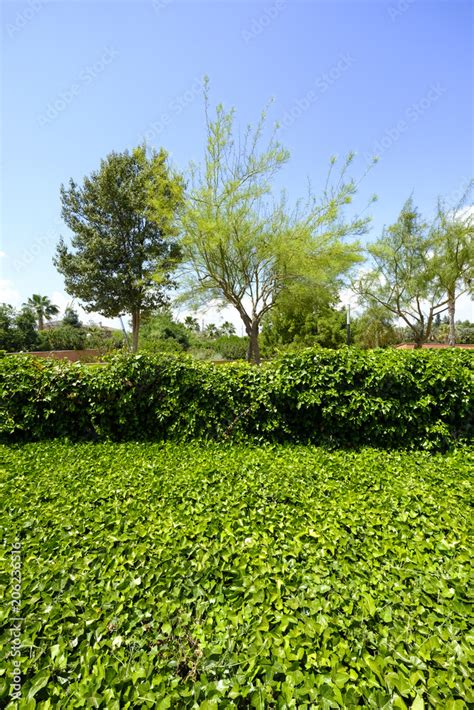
192	324
42	308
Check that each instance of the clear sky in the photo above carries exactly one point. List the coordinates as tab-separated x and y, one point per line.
82	78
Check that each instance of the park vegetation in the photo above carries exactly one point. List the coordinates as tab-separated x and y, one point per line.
146	239
344	397
187	576
197	535
124	244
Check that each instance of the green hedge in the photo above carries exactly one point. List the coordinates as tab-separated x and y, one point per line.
347	397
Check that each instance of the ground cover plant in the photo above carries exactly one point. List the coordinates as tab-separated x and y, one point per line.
173	575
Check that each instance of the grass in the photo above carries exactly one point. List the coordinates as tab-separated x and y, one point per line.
189	576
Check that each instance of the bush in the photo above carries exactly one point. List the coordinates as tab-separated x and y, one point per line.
231	347
65	337
98	338
336	398
160	333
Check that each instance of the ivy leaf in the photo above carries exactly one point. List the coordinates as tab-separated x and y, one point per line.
39	681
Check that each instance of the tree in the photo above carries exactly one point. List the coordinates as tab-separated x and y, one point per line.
453	246
374	328
71	318
65	337
161	332
404	279
211	330
304	317
227	328
17	329
465	330
192	324
230	347
42	308
243	247
123	220
25	326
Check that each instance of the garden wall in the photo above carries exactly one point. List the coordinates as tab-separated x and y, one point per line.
347	397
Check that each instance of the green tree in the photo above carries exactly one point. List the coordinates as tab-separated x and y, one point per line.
244	247
192	324
230	347
124	243
303	317
25	323
465	330
404	279
107	340
227	328
161	332
8	333
17	329
71	318
453	244
211	330
374	328
65	337
42	307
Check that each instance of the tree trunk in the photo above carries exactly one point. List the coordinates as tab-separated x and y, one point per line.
135	330
451	316
40	321
253	352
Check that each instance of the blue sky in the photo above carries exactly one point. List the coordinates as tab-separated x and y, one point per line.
80	79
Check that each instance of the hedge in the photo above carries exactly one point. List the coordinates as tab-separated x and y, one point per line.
383	398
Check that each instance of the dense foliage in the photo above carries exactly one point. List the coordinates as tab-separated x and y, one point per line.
179	576
122	254
338	398
17	329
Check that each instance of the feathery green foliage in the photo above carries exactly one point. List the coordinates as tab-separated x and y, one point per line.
243	246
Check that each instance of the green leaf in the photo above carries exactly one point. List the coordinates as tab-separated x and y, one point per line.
40	680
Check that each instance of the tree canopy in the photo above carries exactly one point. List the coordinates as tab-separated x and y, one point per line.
244	246
453	244
42	307
124	234
418	267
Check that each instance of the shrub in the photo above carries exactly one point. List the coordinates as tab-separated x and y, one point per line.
231	347
65	337
336	398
